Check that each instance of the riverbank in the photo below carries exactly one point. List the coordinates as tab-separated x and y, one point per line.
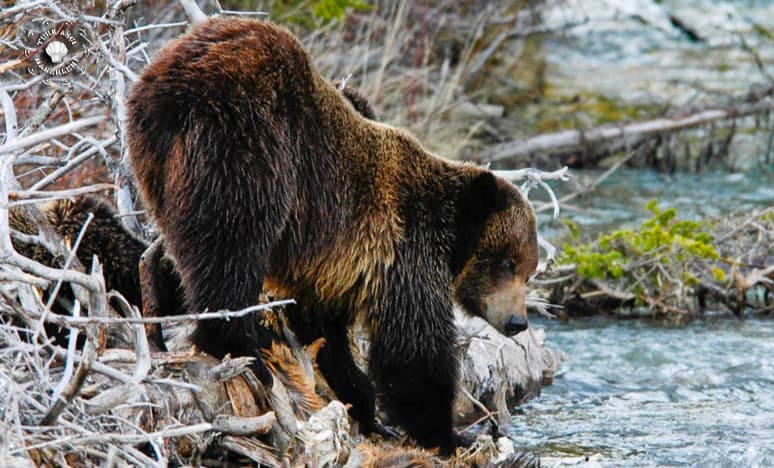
463	77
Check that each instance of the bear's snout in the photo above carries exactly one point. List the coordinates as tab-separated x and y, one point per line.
515	325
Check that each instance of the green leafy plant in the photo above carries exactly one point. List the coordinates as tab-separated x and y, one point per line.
662	239
309	14
658	265
328	10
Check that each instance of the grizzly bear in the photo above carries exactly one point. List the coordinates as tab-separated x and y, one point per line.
104	234
105	237
261	174
120	251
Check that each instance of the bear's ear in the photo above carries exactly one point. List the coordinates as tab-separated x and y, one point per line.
358	100
475	203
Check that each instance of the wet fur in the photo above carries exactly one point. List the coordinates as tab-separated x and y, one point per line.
260	173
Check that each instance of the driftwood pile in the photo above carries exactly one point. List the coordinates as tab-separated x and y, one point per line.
116	402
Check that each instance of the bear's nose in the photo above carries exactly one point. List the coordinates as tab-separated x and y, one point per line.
515	325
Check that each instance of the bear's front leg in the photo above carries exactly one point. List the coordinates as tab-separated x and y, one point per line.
350	384
417	383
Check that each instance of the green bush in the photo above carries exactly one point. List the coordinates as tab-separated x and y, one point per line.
663	239
328	10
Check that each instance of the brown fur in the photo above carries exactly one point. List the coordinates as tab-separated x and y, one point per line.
105	237
118	250
373	456
260	173
386	455
357	99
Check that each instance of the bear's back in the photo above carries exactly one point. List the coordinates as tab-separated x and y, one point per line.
228	88
226	62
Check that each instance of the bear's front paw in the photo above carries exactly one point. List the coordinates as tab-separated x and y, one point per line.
455	440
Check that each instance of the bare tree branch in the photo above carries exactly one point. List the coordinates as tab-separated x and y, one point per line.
45	135
193	11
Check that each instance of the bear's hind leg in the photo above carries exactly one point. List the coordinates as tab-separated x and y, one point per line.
222	230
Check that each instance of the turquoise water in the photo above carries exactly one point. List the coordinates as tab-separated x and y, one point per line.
641	394
620	199
646	394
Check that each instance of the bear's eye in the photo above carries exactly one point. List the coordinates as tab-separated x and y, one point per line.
509	266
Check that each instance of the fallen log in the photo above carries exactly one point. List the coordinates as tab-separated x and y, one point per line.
630	134
500	372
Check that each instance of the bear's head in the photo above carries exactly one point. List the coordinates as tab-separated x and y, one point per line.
496	252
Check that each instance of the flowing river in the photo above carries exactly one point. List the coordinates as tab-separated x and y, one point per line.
641	394
619	201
